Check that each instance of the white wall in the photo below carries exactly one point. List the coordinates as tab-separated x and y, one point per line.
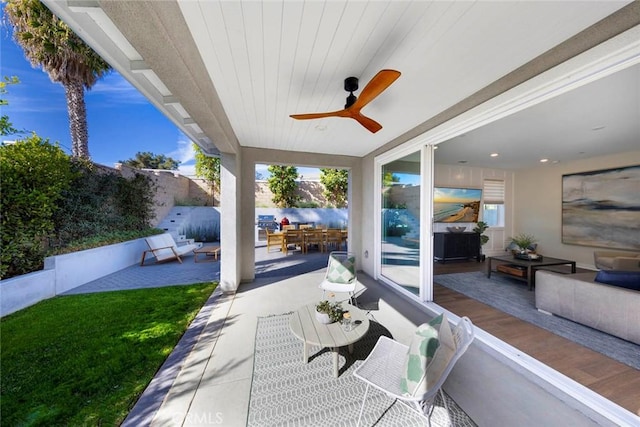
538	203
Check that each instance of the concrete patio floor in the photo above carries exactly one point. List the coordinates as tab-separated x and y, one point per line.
207	380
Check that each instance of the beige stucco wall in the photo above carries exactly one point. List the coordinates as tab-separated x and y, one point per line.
538	203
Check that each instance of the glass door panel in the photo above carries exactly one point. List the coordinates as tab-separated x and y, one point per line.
400	234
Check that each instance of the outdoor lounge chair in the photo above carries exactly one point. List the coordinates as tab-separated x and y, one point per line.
164	248
414	374
341	275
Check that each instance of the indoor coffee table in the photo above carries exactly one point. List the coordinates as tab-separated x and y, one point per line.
530	267
305	327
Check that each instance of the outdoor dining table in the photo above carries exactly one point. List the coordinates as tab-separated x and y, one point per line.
303	242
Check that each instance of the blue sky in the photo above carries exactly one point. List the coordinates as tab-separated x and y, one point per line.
121	121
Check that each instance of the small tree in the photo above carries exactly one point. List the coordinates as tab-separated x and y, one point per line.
208	168
149	160
283	185
336	184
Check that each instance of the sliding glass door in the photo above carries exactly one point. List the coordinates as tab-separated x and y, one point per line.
400	222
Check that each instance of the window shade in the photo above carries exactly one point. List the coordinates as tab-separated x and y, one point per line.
493	192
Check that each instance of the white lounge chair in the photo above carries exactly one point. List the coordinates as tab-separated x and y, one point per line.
387	365
164	248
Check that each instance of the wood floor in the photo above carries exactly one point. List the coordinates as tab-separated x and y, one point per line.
607	377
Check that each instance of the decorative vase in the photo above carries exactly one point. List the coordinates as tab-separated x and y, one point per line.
323	318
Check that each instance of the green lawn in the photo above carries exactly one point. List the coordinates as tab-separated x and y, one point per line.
85	359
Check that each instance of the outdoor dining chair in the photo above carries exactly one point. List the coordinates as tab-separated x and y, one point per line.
293	238
414	374
274	239
315	238
334	238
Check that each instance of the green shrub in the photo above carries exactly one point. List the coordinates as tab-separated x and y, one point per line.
308	204
99	203
35	175
108	238
189	201
52	203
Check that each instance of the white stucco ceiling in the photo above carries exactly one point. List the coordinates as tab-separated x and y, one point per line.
267	60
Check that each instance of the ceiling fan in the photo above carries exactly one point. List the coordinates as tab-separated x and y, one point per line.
354	104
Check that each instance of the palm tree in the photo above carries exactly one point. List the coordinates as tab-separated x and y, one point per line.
50	43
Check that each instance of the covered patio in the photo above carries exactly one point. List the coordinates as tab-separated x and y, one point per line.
214	383
208	378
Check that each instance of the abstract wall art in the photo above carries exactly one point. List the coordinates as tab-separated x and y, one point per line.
602	208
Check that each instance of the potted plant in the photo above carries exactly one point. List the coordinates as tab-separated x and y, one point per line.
480	228
524	242
328	312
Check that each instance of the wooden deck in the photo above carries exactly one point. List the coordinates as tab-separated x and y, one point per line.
607	377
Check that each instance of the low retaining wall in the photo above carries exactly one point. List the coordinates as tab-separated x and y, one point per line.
65	272
20	292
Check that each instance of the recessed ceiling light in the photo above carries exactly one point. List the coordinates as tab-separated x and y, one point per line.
544	160
494	154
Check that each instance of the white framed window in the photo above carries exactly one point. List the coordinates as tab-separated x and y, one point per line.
493	204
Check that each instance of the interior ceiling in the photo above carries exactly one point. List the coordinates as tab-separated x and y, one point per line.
600	118
267	60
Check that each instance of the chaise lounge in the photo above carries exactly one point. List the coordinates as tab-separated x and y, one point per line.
164	248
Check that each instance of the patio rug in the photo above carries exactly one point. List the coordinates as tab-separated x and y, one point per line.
513	297
285	391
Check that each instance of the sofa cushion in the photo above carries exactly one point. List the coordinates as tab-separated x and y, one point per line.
623	279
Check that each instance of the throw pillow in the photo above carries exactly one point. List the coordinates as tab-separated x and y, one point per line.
421	351
445	352
341	271
623	279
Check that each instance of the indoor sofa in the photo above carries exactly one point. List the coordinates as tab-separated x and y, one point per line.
617	260
582	299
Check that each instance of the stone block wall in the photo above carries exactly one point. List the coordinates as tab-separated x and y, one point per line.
309	191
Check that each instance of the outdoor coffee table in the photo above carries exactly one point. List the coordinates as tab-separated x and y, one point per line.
530	267
306	328
207	250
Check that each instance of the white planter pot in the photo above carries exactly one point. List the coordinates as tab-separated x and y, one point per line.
323	318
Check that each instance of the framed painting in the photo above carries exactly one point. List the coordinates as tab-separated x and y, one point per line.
602	208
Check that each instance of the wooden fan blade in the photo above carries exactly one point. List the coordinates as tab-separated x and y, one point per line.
371	125
339	113
375	87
